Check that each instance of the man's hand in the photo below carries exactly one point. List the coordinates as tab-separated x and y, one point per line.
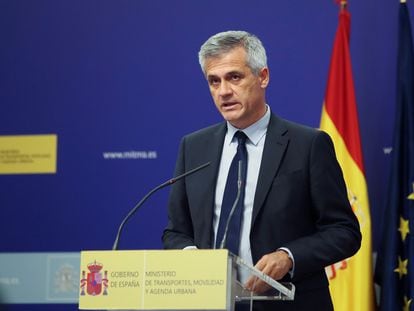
275	265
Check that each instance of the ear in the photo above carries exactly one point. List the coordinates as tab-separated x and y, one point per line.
264	77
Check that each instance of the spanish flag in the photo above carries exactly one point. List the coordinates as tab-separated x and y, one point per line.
351	281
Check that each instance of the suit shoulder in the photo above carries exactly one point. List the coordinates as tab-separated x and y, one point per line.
206	132
296	129
302	135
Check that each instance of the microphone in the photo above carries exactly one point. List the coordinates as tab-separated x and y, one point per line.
233	208
165	184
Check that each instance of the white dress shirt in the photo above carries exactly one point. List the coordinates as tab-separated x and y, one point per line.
256	134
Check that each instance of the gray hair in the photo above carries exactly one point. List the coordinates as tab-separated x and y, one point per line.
223	42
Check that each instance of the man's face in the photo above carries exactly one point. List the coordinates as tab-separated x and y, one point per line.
238	94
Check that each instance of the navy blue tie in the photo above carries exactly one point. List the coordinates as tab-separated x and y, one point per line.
232	240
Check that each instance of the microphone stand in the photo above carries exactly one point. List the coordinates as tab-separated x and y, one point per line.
139	204
233	208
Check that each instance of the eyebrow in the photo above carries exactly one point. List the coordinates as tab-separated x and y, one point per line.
234	72
230	73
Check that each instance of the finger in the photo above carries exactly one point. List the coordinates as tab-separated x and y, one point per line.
261	263
260	287
250	282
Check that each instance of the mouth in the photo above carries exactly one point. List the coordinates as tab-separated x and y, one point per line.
229	105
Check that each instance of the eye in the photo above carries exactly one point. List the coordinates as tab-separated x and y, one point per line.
214	81
235	77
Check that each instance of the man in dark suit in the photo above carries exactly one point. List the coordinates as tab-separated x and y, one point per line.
295	218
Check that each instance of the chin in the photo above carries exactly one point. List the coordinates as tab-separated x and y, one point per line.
231	116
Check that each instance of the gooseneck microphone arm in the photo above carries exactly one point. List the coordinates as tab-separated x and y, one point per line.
139	204
233	208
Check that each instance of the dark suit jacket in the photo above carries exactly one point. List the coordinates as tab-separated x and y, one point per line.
300	203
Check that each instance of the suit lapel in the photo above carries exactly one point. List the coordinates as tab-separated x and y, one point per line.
212	152
274	149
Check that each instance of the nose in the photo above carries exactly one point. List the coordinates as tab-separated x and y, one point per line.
225	89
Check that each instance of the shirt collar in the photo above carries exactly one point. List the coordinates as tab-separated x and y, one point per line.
254	132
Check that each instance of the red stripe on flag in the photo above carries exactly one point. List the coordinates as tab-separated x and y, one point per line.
340	101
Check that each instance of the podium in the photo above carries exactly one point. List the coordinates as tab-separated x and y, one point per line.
170	280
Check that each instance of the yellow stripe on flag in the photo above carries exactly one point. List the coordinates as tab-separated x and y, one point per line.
351	280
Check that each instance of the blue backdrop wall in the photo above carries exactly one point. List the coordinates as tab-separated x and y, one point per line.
110	77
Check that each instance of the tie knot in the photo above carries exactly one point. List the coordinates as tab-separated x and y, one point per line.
241	137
